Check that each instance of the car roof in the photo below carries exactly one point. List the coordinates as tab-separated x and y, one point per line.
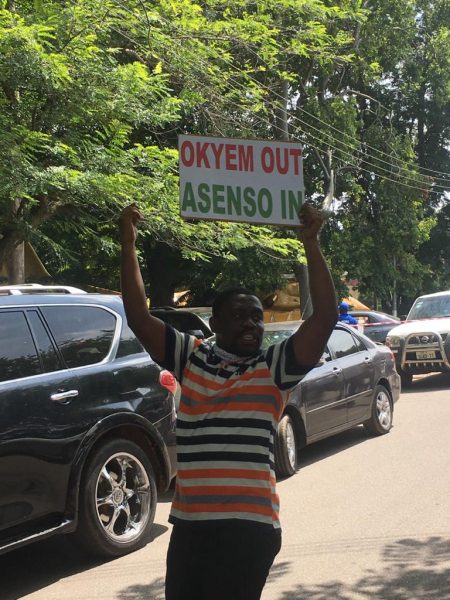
375	313
281	325
293	325
435	295
58	298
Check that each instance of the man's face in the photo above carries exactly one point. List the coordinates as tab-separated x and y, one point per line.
239	326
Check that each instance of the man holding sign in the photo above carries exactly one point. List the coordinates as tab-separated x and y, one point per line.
226	531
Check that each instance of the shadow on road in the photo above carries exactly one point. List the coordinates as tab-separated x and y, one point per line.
328	447
39	565
153	591
413	570
428	383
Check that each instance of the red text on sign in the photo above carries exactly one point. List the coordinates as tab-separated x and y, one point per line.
281	160
207	155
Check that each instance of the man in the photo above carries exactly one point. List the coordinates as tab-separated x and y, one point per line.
226	532
344	316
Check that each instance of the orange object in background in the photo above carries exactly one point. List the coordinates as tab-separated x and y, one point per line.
354	304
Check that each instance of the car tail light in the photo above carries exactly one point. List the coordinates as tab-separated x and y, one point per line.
167	380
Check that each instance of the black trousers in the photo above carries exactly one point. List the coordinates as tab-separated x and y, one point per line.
220	561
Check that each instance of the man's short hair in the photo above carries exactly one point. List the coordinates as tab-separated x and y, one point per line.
223	297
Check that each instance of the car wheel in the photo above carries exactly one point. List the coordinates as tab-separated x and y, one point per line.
382	412
405	377
117	499
286	448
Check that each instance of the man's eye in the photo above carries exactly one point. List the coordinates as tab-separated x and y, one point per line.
237	315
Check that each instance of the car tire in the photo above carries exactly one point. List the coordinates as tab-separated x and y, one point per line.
117	499
380	421
405	378
286	448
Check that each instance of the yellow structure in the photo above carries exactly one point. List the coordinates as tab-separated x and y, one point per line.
34	269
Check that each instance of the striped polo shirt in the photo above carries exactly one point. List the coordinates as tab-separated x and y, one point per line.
227	420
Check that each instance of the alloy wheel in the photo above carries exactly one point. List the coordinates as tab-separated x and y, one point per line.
123	497
384	410
291	445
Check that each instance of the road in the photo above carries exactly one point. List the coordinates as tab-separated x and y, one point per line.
364	519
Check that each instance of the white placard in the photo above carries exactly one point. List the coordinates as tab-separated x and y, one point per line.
252	181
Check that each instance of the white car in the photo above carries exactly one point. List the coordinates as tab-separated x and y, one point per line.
422	343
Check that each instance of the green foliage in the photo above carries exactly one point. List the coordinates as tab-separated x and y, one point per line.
93	94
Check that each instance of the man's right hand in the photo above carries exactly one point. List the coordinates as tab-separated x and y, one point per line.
128	221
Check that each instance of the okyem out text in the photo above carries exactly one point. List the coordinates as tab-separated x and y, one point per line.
240	180
237	157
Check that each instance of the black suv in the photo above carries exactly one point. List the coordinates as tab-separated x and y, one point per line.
87	422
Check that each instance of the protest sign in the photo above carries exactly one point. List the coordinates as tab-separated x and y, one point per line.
252	181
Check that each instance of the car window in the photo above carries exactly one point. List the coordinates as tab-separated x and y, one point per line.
343	343
83	333
275	337
129	344
18	355
47	353
426	308
326	356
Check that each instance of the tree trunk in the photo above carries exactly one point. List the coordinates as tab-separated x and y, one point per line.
301	274
163	265
15	265
300	270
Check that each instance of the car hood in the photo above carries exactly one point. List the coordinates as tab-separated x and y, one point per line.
441	325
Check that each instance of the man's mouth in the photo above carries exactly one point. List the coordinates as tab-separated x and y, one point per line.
248	338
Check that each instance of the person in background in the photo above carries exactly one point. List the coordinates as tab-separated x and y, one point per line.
344	316
226	528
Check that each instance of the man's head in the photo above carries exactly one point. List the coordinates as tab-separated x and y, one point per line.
343	308
238	321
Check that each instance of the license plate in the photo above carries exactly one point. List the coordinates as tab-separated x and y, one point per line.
425	354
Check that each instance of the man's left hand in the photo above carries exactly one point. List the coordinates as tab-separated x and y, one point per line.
311	221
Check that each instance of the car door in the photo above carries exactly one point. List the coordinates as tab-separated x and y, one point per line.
322	392
355	362
33	465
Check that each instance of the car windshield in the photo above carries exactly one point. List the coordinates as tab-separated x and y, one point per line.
425	308
276	337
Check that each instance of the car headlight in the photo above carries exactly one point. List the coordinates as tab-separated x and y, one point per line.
393	341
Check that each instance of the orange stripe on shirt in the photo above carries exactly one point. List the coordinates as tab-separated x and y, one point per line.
223	508
230	406
224	490
212	384
249	390
226	474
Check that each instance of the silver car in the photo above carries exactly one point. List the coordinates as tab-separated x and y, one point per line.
355	382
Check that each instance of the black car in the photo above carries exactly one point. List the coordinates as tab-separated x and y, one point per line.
87	436
376	325
355	382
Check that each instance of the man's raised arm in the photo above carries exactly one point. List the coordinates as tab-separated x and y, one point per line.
311	337
148	329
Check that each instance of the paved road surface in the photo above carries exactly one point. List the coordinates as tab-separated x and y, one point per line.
364	519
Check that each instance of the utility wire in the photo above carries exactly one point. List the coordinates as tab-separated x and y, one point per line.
272	126
274	92
372	171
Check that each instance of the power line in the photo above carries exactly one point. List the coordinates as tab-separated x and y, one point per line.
272	126
274	92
